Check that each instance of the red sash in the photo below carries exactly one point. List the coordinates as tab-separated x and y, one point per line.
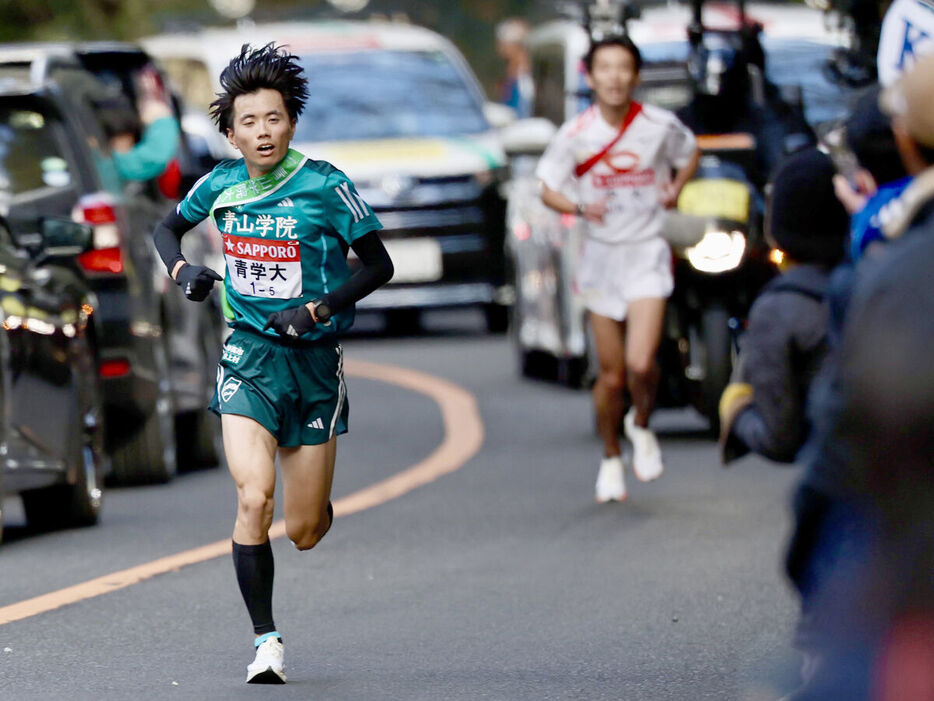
634	109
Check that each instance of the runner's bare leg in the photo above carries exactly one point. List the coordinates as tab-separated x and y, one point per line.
645	319
307	475
609	402
250	450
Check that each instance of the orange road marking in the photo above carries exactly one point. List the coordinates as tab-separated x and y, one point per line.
463	436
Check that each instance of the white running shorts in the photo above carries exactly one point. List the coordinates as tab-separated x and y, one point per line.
611	275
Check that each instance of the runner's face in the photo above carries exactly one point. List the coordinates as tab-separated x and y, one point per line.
261	130
613	76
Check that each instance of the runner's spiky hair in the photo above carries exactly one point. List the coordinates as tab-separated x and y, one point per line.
254	69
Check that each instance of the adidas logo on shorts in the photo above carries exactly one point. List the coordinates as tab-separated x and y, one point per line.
317	423
229	389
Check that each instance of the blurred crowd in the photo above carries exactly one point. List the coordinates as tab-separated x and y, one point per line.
834	373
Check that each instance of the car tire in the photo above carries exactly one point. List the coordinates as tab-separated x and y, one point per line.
573	372
403	322
76	504
718	363
200	443
497	318
537	365
149	456
198	433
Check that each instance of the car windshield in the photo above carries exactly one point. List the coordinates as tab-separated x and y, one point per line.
804	63
30	155
387	94
798	62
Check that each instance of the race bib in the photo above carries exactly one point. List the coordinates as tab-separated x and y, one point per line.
263	268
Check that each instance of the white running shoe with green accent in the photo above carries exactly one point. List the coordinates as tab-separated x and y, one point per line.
269	665
611	485
646	454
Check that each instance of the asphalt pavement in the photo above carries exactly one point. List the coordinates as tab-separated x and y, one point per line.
500	580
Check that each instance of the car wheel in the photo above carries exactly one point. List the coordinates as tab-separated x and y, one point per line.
537	365
403	322
149	456
198	433
78	503
200	443
573	372
497	317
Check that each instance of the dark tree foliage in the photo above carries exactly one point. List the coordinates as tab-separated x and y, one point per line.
468	23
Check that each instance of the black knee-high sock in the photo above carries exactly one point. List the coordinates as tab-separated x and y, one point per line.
255	569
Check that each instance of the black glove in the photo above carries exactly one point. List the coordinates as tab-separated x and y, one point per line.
291	322
196	281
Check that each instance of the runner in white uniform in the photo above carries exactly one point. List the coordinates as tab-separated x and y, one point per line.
619	164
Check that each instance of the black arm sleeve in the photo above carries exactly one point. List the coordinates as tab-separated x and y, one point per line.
376	271
168	236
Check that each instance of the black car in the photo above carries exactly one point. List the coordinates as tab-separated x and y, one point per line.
194	332
157	352
51	418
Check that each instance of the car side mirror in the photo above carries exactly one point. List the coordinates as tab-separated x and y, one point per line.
62	237
527	136
498	115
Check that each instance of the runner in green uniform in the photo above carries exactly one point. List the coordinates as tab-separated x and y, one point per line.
287	223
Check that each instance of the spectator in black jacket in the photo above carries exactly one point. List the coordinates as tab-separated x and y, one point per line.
763	409
862	552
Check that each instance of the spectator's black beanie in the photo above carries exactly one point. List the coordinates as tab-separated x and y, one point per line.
869	135
805	218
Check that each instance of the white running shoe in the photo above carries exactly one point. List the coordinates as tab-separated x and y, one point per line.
268	667
646	455
610	483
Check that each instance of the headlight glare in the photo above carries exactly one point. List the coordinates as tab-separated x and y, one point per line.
717	252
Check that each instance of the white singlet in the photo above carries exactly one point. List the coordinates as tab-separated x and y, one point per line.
628	177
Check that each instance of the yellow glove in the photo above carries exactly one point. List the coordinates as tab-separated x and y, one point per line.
736	396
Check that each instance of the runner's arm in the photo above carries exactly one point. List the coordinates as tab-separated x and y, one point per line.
686	172
591	211
168	237
377	270
558	201
196	280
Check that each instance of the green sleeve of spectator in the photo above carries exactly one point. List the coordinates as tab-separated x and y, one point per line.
153	152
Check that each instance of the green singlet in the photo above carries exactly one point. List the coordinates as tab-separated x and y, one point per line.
285	236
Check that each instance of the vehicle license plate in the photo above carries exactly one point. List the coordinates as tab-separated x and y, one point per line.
415	260
715	197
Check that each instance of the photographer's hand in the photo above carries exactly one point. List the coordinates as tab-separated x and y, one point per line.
854	195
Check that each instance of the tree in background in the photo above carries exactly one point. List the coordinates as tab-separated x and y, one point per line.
470	24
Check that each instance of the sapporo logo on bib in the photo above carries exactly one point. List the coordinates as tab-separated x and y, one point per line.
264	268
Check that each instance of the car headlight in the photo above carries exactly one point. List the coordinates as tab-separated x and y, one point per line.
717	252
